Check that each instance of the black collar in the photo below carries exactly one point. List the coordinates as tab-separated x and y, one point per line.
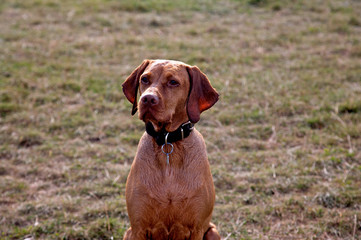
182	132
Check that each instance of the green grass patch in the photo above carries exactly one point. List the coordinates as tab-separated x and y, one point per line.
30	138
351	107
8	108
70	86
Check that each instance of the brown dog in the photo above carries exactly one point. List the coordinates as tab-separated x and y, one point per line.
170	192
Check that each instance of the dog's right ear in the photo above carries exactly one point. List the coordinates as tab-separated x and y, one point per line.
131	84
201	94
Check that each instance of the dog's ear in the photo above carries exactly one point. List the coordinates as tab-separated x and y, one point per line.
201	94
131	84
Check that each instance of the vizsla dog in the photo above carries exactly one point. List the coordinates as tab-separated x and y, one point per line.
170	193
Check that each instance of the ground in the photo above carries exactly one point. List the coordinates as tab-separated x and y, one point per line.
284	140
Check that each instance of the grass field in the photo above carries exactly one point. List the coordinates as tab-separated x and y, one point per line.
284	141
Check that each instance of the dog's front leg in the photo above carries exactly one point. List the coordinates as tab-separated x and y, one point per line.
212	233
128	234
132	235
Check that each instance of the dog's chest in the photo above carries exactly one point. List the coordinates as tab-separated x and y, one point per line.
172	187
173	199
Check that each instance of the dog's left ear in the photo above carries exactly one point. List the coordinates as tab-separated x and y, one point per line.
202	95
131	84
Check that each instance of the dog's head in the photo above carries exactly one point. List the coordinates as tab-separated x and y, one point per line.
171	93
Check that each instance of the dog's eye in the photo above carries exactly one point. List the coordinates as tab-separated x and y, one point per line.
173	83
144	80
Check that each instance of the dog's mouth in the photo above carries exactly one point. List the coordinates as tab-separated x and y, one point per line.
148	115
158	126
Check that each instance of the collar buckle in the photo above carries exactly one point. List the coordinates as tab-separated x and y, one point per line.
166	138
184	124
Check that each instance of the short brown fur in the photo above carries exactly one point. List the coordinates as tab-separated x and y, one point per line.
172	201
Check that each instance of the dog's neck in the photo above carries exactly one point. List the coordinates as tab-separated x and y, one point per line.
162	136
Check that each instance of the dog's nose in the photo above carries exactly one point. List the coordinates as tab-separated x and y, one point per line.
150	99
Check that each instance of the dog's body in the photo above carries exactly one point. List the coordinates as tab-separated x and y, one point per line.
170	198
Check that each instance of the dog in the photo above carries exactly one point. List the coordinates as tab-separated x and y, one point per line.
170	192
